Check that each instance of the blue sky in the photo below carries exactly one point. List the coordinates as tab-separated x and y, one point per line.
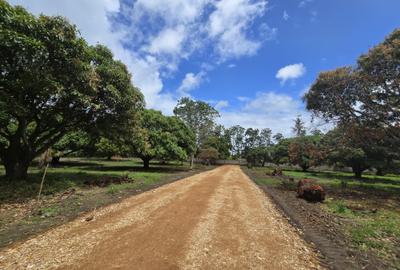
252	59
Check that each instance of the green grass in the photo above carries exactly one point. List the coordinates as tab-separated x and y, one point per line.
74	172
271	182
389	183
369	207
370	230
49	211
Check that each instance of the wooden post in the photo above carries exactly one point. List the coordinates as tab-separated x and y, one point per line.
44	161
43	177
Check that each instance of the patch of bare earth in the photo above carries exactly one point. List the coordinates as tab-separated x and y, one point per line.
214	220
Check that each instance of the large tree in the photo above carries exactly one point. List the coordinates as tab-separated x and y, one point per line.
237	134
72	142
53	83
198	116
162	137
219	140
367	94
306	151
252	139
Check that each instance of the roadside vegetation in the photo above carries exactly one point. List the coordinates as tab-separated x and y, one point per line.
368	208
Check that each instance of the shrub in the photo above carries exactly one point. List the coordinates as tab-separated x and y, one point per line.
310	191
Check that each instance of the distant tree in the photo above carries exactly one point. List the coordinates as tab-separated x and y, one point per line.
367	94
208	155
53	83
317	132
278	137
253	157
299	128
237	134
266	137
219	140
280	152
264	151
251	139
162	137
70	143
306	152
199	116
106	147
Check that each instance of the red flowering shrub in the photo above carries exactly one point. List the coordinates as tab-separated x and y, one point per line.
310	191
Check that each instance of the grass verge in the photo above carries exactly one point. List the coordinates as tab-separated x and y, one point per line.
368	208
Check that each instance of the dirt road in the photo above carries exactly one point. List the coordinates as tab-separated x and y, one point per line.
214	220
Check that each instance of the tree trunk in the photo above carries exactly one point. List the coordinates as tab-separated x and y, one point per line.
191	161
55	161
357	172
304	168
146	163
16	169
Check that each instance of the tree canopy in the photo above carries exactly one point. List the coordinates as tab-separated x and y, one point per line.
367	94
199	116
162	137
53	83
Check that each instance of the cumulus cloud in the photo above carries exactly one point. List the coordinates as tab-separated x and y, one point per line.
222	104
266	110
168	41
152	37
291	72
190	82
228	25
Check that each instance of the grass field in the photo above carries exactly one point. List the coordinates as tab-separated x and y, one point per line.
74	172
370	207
76	186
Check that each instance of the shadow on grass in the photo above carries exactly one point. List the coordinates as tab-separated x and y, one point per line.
155	168
19	191
74	173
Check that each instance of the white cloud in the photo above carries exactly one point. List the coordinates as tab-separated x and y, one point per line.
168	41
190	82
266	110
285	15
153	36
228	24
269	102
222	104
231	65
243	99
172	11
291	72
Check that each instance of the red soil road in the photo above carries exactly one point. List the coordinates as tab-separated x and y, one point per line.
217	219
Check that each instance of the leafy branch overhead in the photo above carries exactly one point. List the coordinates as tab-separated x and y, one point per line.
53	83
